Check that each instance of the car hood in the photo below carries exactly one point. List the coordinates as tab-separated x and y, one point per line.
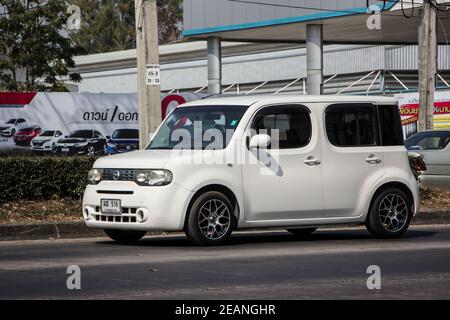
24	133
141	159
72	140
42	138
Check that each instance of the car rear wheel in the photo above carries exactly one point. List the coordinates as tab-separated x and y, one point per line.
302	232
390	214
125	236
211	219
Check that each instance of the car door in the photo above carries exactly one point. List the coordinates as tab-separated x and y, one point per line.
283	182
435	150
352	158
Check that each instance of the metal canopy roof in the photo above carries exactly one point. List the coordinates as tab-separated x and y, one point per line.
346	26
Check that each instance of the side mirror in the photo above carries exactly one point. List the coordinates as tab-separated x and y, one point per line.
108	137
66	136
259	141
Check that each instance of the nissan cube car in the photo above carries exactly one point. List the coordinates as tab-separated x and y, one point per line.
297	162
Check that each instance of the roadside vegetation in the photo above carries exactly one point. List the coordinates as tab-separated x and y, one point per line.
50	188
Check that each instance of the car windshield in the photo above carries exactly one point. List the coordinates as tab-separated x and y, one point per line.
11	121
198	127
126	134
47	134
81	134
428	141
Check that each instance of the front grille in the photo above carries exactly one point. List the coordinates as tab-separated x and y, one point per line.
38	143
128	216
126	147
118	174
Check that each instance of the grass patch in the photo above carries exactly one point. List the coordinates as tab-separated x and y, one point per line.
40	211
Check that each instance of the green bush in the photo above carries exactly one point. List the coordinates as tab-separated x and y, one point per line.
43	178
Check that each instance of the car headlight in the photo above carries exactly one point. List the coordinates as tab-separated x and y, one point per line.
111	145
95	176
153	177
83	144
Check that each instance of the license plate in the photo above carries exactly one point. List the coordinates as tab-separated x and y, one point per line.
65	149
111	206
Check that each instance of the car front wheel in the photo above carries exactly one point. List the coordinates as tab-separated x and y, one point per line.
91	151
125	236
211	219
390	214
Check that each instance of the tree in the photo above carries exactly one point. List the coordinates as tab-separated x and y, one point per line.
35	50
109	25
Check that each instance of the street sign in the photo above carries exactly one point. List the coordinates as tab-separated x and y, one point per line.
153	75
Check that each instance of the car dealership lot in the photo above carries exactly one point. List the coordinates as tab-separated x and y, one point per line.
258	265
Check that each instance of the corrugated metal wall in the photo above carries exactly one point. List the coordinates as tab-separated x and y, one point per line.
406	57
278	66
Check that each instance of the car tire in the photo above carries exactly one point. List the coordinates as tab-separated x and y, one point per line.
302	232
91	151
211	219
390	214
125	236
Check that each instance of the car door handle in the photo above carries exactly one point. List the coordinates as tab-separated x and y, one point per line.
310	161
373	159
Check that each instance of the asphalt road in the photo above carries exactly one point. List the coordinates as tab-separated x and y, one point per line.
254	265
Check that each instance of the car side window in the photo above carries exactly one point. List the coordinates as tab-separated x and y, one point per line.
352	125
433	142
97	134
390	125
291	125
58	133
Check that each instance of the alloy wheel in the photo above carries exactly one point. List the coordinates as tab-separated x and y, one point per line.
91	151
214	219
393	212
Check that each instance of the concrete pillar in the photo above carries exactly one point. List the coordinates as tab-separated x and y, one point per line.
314	58
214	66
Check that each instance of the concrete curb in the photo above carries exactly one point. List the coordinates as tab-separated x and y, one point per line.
75	230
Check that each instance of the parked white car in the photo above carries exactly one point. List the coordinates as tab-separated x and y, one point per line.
434	147
11	126
298	162
46	141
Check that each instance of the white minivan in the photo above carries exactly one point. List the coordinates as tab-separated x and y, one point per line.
297	162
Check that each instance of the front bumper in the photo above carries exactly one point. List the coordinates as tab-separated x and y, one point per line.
23	140
115	150
71	149
164	206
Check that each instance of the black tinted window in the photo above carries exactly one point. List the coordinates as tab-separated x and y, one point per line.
351	125
390	125
126	134
293	125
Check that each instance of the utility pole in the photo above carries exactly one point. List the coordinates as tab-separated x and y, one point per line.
148	69
427	65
